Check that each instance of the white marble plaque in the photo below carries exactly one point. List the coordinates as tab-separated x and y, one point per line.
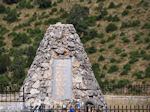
62	79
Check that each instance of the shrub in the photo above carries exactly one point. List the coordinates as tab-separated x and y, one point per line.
118	50
5	81
133	60
125	39
122	83
90	21
123	54
10	1
51	21
91	50
129	7
3	30
128	24
4	63
112	18
97	1
103	14
111	38
146	26
126	69
92	33
59	1
17	67
101	49
24	4
112	5
125	13
113	68
19	39
100	35
101	58
44	3
139	74
12	15
147	71
2	9
97	72
84	39
111	27
113	60
31	51
76	17
1	43
53	10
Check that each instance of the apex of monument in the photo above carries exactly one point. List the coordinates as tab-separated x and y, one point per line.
58	23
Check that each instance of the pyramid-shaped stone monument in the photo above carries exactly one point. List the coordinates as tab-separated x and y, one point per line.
61	72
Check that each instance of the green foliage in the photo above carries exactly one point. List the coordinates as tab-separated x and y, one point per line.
122	83
91	50
17	67
97	72
3	30
146	26
4	63
128	24
97	1
113	60
76	17
113	68
19	39
126	69
125	39
2	9
101	58
139	74
4	81
31	51
51	21
44	3
24	4
1	43
10	1
114	18
147	71
118	50
59	1
111	27
112	5
125	13
103	14
128	7
12	15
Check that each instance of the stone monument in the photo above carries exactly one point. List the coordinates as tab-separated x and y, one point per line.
61	72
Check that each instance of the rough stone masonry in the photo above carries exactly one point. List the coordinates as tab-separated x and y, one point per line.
61	72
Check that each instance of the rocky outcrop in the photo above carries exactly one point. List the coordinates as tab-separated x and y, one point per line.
61	42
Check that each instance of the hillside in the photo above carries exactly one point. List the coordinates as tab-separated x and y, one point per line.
115	34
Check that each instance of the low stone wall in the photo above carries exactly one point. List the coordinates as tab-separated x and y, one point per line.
112	100
11	106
